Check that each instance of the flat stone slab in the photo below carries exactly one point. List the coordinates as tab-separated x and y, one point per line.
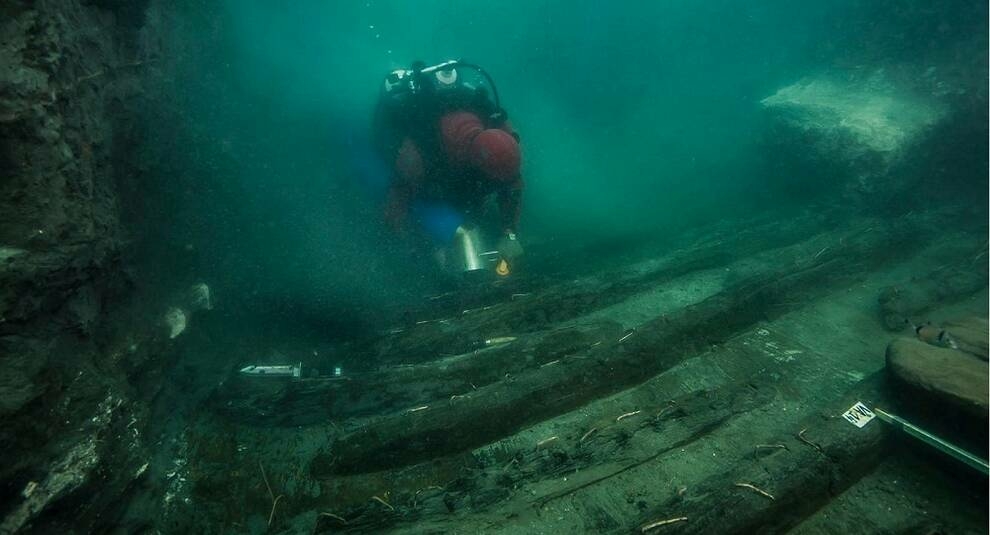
949	376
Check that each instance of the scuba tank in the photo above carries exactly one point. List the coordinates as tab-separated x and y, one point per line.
465	81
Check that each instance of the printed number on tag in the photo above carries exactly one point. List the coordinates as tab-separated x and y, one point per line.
859	415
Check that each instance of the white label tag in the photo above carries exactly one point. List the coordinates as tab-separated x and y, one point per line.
859	415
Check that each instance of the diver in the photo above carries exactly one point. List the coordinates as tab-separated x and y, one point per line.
452	153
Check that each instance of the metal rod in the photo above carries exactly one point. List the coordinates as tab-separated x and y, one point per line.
942	445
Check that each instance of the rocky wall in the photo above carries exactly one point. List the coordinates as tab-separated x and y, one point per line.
73	399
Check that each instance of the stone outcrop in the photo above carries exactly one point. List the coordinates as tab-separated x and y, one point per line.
73	391
63	84
855	133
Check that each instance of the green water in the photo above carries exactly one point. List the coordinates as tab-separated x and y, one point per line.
638	120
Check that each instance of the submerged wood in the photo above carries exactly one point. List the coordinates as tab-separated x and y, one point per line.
906	303
794	274
801	478
552	301
572	472
267	402
414	374
566	463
